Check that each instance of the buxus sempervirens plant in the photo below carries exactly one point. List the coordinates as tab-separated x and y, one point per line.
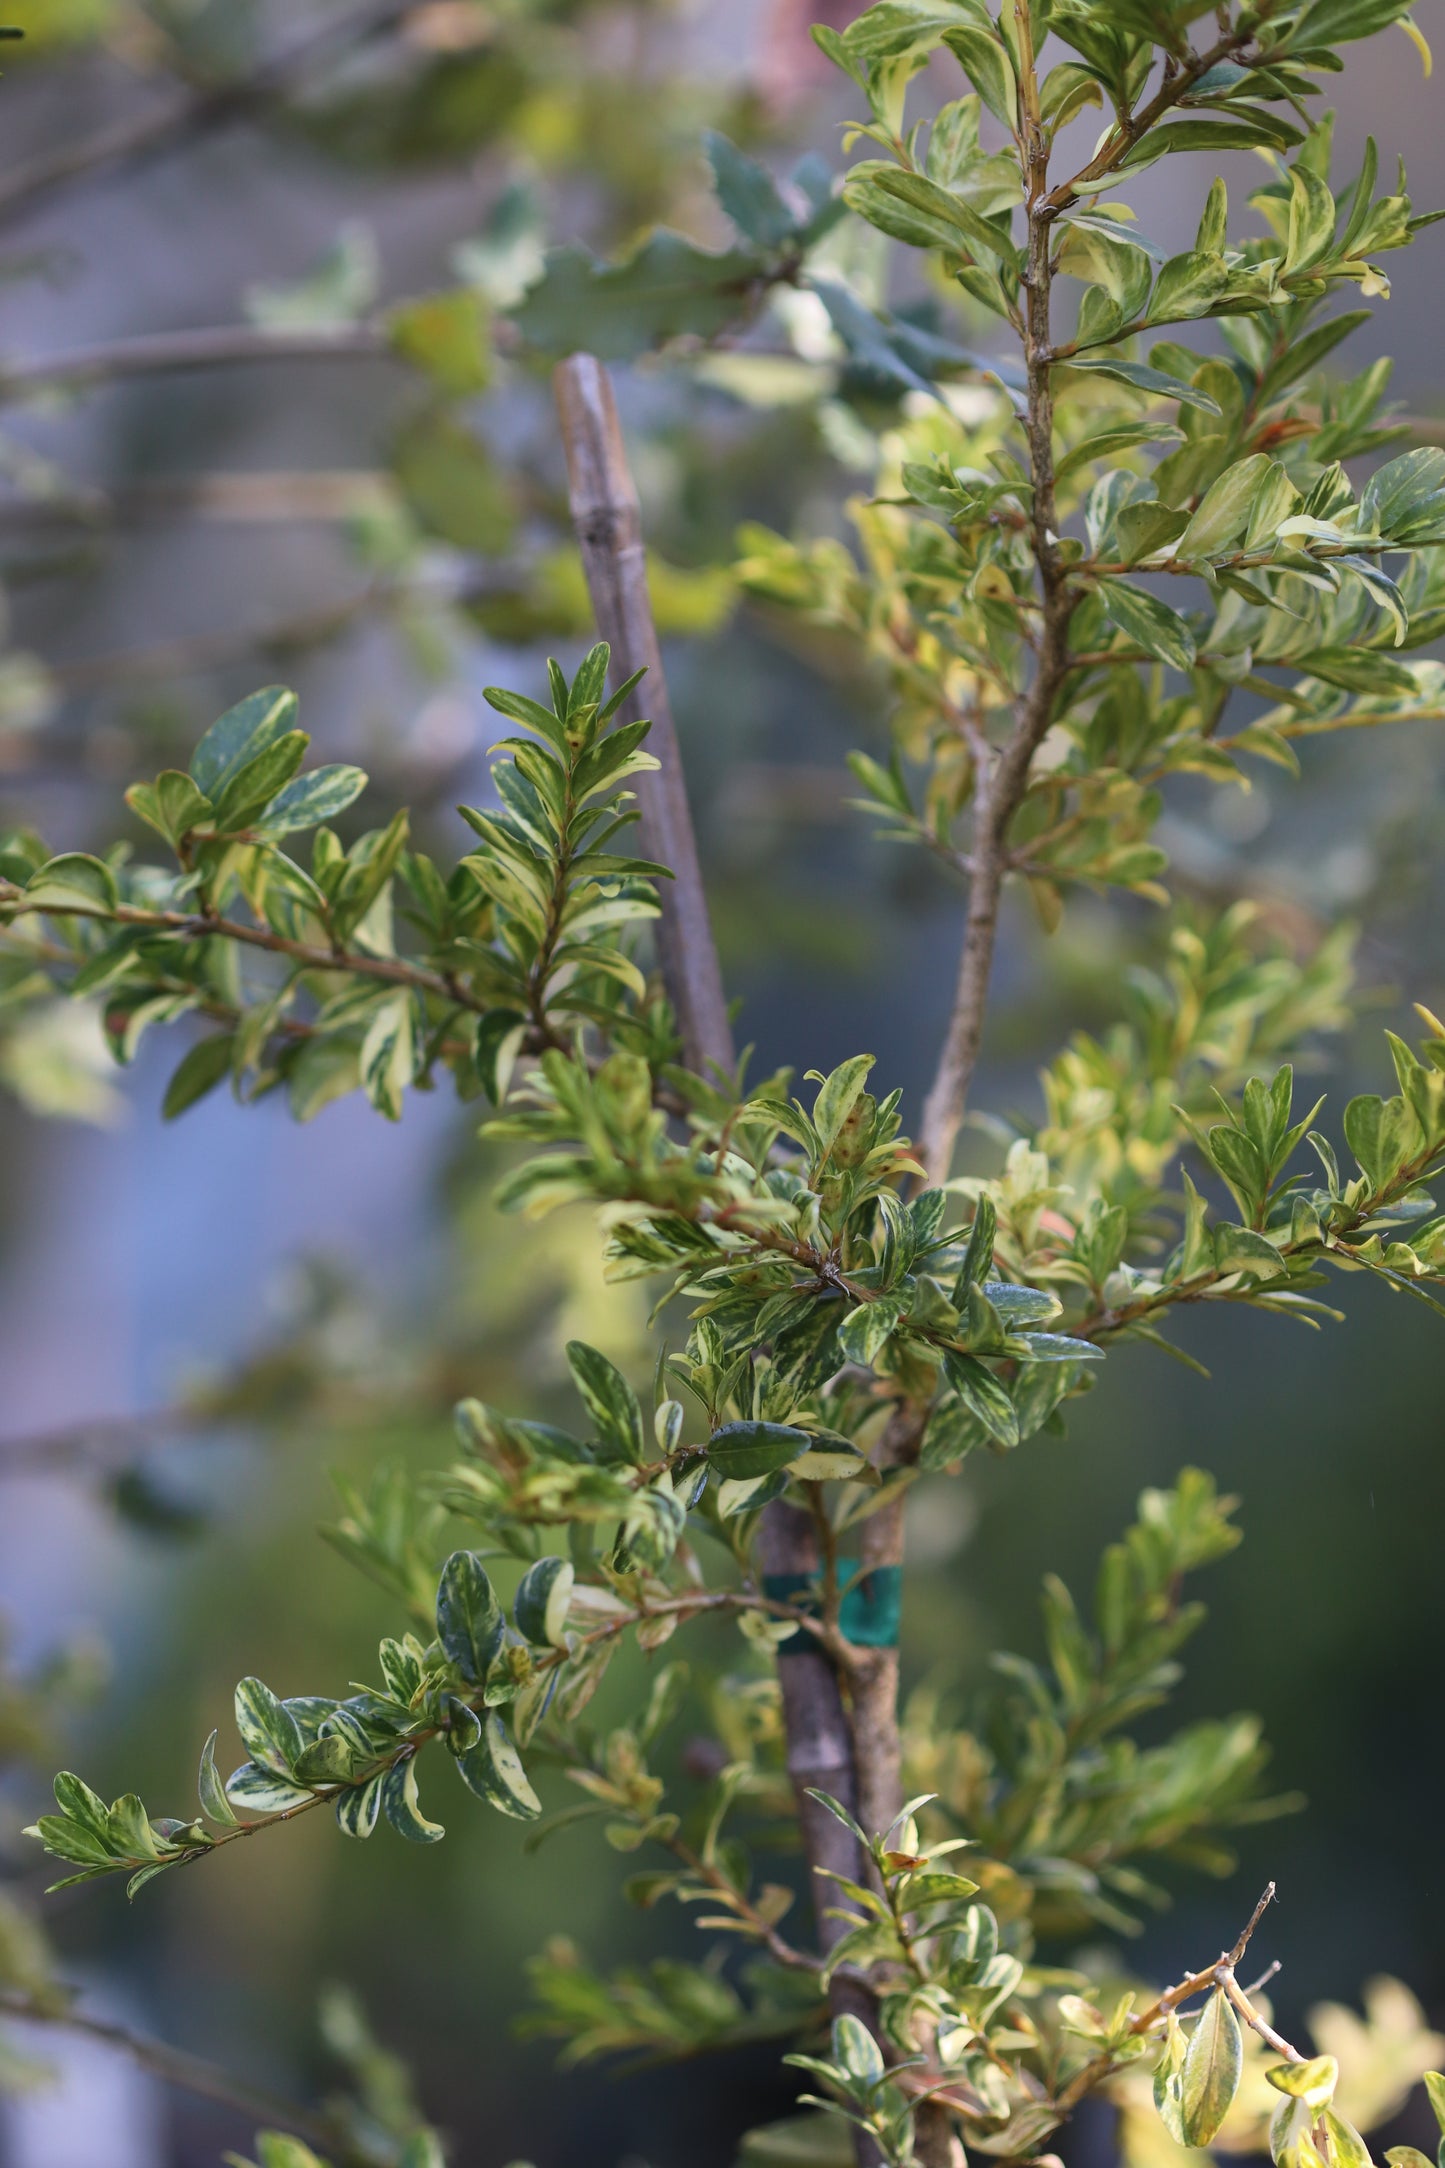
1098	557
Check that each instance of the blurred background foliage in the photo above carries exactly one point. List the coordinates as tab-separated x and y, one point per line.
198	1323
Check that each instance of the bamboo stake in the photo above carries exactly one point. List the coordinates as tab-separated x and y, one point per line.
608	520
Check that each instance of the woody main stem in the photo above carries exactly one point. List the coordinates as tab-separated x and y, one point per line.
1002	772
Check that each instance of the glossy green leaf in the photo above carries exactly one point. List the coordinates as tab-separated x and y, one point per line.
387	1061
1155	383
211	1791
260	780
609	1400
200	1070
829	1460
359	1808
978	1256
74	882
855	2048
240	736
402	1807
1161	632
1213	2065
837	1096
542	1602
1313	2081
984	1395
256	1790
270	1731
310	799
739	1452
911	205
1021	1308
493	1770
470	1623
985	61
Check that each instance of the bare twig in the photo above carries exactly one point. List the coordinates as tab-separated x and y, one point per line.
193	113
608	520
1218	1975
1255	2019
777	1946
1236	1955
173	2066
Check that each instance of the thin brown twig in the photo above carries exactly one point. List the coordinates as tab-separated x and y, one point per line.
778	1947
1236	1955
174	2066
680	1607
395	971
1131	127
1002	779
249	497
1218	1975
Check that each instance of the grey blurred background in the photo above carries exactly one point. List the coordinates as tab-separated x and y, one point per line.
135	1256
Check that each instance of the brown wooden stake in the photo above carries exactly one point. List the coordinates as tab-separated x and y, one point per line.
605	512
608	520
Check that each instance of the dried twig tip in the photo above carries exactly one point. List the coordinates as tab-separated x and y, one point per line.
1254	1919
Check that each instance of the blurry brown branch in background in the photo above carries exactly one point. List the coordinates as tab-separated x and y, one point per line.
173	2066
97	1444
252	497
199	108
106	1445
219	347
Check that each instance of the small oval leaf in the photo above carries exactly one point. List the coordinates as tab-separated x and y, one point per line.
741	1451
1213	2063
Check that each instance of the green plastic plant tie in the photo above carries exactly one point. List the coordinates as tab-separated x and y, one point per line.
869	1616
